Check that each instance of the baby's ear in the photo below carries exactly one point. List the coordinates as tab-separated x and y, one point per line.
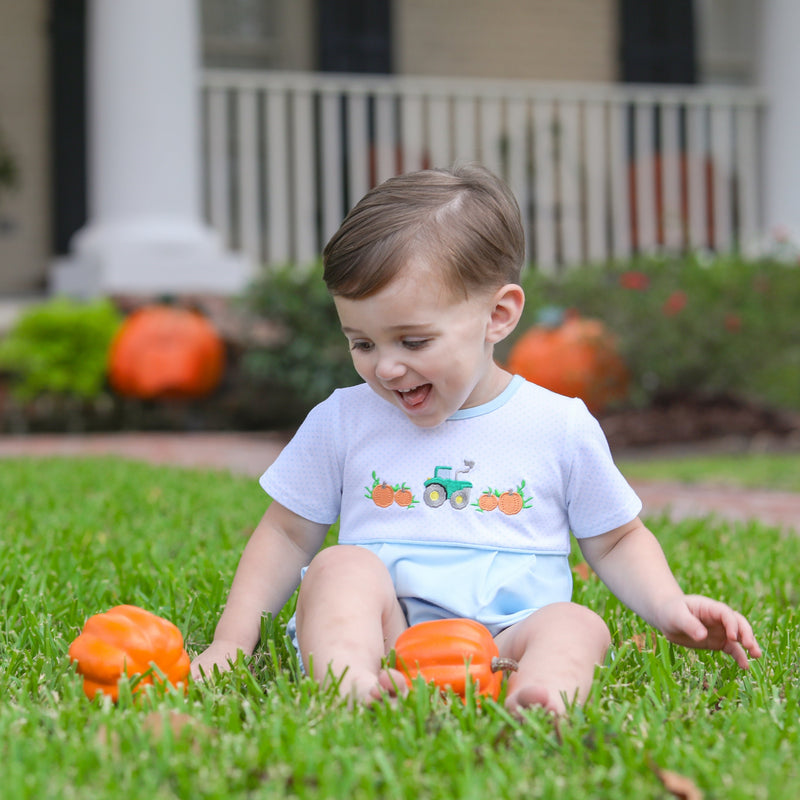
508	302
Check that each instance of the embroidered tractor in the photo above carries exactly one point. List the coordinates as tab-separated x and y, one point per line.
440	488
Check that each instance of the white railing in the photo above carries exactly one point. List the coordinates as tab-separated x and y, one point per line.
600	171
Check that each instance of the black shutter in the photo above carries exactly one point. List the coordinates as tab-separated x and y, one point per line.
657	41
354	35
68	119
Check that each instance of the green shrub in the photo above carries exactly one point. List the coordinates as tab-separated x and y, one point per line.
309	357
688	326
60	347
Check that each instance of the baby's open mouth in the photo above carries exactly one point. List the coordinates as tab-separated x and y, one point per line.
411	398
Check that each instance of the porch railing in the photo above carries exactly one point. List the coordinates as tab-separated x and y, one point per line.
600	171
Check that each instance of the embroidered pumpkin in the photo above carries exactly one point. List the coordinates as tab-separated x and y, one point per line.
452	653
128	640
573	356
165	352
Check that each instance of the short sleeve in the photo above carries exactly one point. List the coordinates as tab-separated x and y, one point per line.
598	497
306	477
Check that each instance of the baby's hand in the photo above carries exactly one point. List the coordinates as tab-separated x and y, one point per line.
219	654
706	624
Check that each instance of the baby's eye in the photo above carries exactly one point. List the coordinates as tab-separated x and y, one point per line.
415	344
361	346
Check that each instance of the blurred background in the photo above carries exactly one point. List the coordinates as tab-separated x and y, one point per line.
206	149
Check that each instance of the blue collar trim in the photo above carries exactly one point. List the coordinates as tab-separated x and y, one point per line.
499	401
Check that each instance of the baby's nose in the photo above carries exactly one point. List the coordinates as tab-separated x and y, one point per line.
389	367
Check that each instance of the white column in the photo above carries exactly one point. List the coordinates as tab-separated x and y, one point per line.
779	70
145	232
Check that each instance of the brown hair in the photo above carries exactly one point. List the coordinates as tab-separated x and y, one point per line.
464	221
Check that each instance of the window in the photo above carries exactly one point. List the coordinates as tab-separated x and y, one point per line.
241	33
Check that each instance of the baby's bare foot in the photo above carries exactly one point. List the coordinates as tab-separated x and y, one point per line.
392	683
533	697
368	688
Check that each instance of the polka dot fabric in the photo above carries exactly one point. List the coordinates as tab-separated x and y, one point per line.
515	475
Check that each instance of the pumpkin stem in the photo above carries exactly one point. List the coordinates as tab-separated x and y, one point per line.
504	664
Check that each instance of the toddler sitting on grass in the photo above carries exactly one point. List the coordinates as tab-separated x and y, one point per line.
424	272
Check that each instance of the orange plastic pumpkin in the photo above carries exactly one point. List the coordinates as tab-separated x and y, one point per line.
127	640
451	653
576	357
165	352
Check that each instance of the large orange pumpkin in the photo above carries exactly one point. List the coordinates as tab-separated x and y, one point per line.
576	357
165	352
128	640
452	653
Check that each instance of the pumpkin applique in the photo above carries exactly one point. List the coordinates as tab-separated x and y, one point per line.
383	494
509	502
452	654
403	496
128	641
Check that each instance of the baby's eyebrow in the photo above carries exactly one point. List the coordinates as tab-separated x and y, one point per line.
422	326
410	328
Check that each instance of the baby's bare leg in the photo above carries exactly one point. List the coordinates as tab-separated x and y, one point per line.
557	648
348	618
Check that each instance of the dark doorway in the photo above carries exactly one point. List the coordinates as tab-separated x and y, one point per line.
354	35
657	41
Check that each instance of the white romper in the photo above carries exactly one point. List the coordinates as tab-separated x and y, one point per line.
472	517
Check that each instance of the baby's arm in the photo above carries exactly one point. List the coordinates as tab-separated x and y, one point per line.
268	573
630	561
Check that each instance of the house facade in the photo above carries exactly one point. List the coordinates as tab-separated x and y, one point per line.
99	106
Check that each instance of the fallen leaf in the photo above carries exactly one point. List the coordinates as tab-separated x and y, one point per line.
679	785
640	642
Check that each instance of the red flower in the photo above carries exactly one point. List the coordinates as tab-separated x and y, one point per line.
733	322
633	279
675	303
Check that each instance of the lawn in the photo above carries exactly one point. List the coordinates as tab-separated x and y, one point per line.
776	471
79	536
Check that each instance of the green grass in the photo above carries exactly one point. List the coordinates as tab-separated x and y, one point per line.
777	471
79	536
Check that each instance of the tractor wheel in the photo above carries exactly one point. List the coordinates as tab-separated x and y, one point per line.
460	499
435	495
